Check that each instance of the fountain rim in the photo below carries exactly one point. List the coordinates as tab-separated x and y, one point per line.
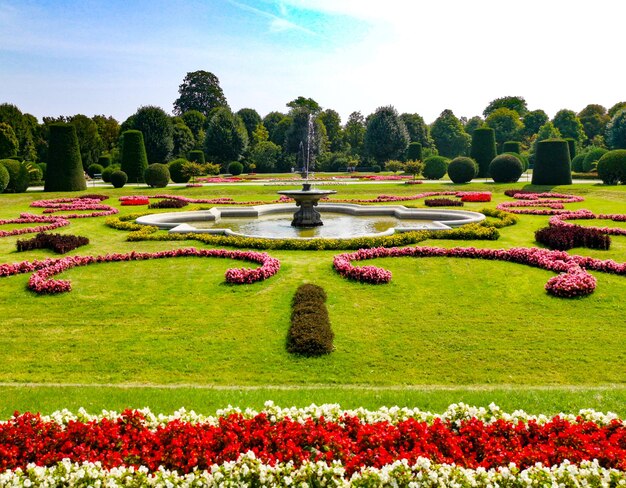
177	222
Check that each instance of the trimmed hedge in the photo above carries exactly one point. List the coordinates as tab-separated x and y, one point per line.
483	149
571	145
134	159
108	171
65	167
414	152
59	243
506	168
592	157
442	202
435	167
176	171
19	179
512	146
577	163
4	178
552	163
118	178
462	169
197	156
235	168
157	175
612	167
168	203
564	238
310	333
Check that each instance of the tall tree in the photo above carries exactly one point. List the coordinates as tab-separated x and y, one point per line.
307	103
226	137
271	120
11	115
199	91
109	131
616	108
195	120
250	119
449	135
506	123
476	122
417	129
183	140
306	137
616	131
569	125
533	121
354	133
386	136
89	140
157	130
513	103
334	132
8	142
594	118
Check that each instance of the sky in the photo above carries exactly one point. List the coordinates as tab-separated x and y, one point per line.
64	57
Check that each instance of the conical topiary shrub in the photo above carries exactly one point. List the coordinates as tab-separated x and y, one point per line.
552	163
64	170
512	146
134	159
483	149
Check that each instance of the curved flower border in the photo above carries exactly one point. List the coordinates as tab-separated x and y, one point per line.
26	218
552	203
559	221
573	280
41	280
86	202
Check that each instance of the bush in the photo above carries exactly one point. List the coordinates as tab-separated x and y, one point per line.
506	168
394	165
612	167
95	169
571	145
177	173
435	167
65	167
134	159
483	149
413	168
414	152
59	243
35	175
104	161
4	178
118	178
592	157
512	146
18	176
310	333
44	168
442	202
462	169
577	163
376	168
157	175
564	238
168	203
108	171
235	168
522	159
552	163
197	156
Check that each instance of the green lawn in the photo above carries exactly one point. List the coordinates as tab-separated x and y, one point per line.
443	331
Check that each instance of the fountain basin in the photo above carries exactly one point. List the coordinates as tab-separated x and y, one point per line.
274	221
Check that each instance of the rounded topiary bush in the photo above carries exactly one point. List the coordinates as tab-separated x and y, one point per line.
435	167
577	163
235	168
95	169
414	152
512	146
4	178
176	171
19	179
157	175
552	163
462	169
376	168
108	171
483	149
197	156
506	168
134	159
612	167
65	167
592	157
118	178
104	161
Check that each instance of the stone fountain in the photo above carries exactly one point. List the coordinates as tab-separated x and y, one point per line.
307	198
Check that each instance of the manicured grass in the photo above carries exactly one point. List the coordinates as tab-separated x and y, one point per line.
449	322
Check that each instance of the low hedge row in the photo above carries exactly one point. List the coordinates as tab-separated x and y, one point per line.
168	203
442	202
564	238
59	243
310	333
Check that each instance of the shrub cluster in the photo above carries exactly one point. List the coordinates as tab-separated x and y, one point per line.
118	178
612	167
4	178
157	175
591	159
59	243
564	238
310	333
18	176
435	167
506	168
462	169
235	168
168	203
94	169
442	202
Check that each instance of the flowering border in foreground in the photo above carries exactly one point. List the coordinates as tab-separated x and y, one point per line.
26	218
558	221
43	270
573	280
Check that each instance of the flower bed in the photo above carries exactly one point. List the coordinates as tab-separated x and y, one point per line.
134	200
85	202
218	179
319	445
442	202
559	221
573	280
41	280
59	243
26	218
552	202
476	196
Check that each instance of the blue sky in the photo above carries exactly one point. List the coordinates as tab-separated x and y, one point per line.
110	57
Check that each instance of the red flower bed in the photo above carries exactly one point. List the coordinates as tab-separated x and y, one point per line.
183	446
134	200
476	197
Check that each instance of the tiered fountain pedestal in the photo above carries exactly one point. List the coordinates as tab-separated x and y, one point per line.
306	201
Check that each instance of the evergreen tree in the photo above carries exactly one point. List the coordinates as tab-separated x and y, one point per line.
386	137
64	171
134	157
449	135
